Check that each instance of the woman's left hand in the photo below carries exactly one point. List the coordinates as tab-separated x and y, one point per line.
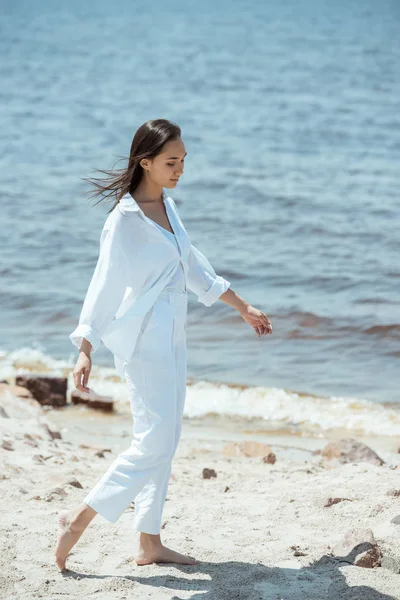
257	319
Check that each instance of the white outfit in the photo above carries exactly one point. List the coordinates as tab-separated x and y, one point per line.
135	262
153	353
178	280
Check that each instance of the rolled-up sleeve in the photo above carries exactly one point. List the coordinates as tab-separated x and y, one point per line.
203	280
105	292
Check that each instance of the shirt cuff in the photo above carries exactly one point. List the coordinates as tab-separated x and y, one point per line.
219	286
87	332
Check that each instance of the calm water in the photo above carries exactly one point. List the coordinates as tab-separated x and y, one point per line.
290	113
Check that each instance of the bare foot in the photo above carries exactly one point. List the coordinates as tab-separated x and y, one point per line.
72	524
162	554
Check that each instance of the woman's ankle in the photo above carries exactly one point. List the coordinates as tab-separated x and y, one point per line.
149	539
82	515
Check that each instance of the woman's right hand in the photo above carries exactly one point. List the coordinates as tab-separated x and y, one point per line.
81	372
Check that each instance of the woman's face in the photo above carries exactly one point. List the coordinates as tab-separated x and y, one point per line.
166	168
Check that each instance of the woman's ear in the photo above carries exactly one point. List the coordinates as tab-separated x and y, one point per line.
145	163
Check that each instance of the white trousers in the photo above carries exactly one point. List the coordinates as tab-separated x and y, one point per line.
156	379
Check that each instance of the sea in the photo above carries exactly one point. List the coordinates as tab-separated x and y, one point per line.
290	114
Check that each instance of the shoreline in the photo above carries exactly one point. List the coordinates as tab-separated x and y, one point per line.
114	429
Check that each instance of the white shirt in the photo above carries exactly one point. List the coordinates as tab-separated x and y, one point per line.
136	261
178	280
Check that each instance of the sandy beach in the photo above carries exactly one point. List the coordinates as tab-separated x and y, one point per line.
262	530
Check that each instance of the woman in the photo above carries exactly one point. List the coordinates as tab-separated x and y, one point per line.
136	304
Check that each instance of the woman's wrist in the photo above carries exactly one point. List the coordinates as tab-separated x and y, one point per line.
86	347
230	297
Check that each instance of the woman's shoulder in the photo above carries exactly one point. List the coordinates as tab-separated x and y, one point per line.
120	216
118	226
128	228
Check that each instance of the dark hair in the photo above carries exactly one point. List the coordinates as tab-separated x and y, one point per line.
147	143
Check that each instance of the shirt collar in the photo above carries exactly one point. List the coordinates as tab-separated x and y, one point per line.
127	202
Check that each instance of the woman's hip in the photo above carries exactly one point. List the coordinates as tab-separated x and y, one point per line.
163	331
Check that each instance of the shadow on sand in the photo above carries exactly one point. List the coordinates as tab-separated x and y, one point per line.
321	580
